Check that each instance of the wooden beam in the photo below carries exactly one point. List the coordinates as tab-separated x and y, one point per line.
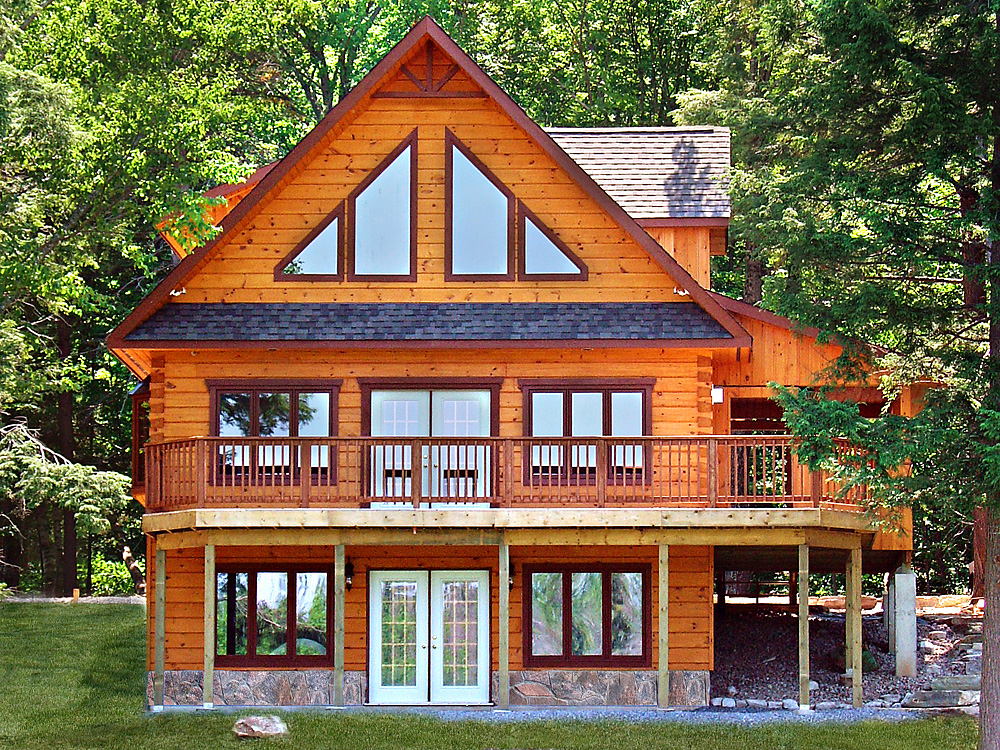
339	590
854	599
663	628
503	637
159	626
804	674
208	694
508	518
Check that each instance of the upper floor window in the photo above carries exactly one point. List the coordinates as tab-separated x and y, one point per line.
272	409
543	254
479	217
382	218
319	257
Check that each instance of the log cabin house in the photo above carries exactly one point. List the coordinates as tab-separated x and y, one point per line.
447	414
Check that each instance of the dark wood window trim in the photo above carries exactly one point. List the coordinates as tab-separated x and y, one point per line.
279	270
411	142
587	385
606	658
367	385
288	659
451	142
524	214
254	387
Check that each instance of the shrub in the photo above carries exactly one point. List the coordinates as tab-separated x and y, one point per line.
111	578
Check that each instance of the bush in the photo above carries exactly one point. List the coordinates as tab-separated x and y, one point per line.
111	578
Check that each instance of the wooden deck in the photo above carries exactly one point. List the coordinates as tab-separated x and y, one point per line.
475	473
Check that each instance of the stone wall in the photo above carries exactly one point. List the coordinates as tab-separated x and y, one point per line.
314	687
591	687
307	687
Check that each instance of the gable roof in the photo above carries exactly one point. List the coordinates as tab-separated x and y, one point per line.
425	30
657	174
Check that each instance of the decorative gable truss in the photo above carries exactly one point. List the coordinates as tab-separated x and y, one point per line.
489	233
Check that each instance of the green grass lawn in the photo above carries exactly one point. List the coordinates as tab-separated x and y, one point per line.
72	676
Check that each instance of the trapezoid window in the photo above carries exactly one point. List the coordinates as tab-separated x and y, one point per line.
382	216
319	257
479	210
543	254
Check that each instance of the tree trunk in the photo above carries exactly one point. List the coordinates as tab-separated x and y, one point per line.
753	279
67	446
989	707
978	553
137	577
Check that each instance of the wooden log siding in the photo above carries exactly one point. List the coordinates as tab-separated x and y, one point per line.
691	578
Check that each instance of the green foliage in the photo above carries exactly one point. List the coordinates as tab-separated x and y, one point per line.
111	577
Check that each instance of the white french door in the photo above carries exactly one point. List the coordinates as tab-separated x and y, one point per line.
429	637
451	472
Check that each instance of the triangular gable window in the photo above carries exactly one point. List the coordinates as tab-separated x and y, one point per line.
382	219
320	256
543	254
479	210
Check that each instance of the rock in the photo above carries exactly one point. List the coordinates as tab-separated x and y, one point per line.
970	710
938	635
897	704
875	704
741	703
957	682
934	669
717	702
774	705
934	699
968	698
535	690
813	685
260	726
755	703
927	647
731	691
728	703
790	704
826	706
892	698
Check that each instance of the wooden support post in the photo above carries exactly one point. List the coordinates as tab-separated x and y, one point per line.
713	472
200	472
848	619
416	472
159	626
663	628
503	638
793	587
305	474
803	625
339	590
854	611
208	691
603	467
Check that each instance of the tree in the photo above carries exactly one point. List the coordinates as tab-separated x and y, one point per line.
882	208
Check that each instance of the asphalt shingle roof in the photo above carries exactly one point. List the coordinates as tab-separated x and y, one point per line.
463	321
655	173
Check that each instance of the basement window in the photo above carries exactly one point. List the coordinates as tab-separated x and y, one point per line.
587	615
273	617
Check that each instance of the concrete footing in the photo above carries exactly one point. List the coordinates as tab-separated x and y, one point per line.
904	621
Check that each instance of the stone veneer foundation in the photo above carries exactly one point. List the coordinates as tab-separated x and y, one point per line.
314	687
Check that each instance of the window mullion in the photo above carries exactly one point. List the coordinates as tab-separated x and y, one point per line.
567	613
606	613
291	585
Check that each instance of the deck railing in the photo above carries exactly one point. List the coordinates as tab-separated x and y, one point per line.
692	472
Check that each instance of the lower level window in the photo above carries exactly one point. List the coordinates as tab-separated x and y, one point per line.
587	615
273	617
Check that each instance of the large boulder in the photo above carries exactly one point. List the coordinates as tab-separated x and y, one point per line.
260	726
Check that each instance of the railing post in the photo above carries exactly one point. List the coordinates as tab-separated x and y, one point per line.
200	474
305	474
603	467
713	472
152	492
416	472
816	477
508	472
